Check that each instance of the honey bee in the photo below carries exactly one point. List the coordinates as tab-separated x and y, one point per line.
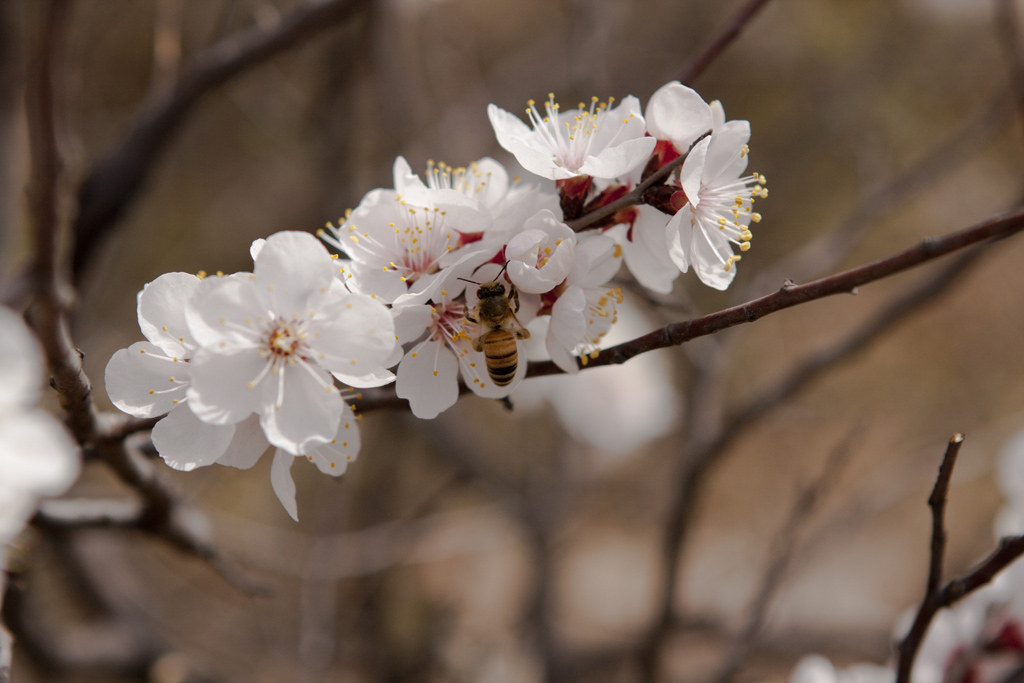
497	313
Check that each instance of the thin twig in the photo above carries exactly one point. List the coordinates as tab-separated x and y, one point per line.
731	32
907	649
636	195
706	445
791	295
824	253
113	183
782	548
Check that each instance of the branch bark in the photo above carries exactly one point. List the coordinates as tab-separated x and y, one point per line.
113	183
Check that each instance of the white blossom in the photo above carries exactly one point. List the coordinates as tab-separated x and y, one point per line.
38	458
270	340
541	256
677	114
599	141
720	206
149	379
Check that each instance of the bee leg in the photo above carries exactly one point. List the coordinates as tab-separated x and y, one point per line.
470	318
478	344
522	333
515	300
507	402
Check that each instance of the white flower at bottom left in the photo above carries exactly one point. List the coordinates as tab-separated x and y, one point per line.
38	457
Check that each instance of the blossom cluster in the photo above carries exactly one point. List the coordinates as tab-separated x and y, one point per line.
453	277
978	640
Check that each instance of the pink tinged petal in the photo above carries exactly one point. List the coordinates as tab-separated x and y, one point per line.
185	442
247	445
619	160
21	362
293	271
300	407
226	309
727	157
37	454
256	247
693	170
428	379
354	335
678	114
143	382
717	116
333	457
224	383
284	485
161	310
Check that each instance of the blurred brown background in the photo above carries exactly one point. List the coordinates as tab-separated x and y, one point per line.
417	566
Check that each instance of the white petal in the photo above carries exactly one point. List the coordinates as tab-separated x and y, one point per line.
333	457
717	116
814	669
619	160
693	170
37	454
185	442
293	271
353	335
678	114
489	181
595	261
428	379
679	238
304	412
21	362
246	447
525	242
225	309
375	280
284	485
161	310
403	177
411	321
143	382
709	246
727	157
507	127
646	255
256	247
378	378
222	391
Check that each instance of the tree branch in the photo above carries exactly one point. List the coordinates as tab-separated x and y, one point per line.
907	650
731	32
636	195
114	182
793	295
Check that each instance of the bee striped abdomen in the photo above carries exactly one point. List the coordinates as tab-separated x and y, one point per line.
501	355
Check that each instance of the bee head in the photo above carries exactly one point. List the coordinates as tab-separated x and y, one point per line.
490	290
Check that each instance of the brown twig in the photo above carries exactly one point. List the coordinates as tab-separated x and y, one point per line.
706	444
791	294
907	649
636	195
782	548
731	32
826	252
113	183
